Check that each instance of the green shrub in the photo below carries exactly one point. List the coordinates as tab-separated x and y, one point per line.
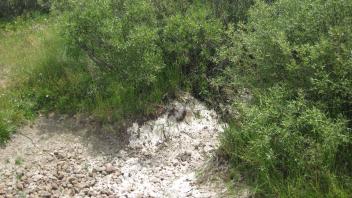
189	42
304	44
11	8
148	48
283	142
231	11
293	141
120	36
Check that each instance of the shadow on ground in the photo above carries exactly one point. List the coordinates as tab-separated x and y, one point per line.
105	139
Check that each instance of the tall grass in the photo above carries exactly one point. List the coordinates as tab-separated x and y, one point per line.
34	73
20	49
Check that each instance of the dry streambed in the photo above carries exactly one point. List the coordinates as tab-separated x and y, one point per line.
73	157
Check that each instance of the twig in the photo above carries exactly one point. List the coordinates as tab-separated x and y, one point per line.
27	138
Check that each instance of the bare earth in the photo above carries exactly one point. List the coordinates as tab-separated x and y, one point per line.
60	156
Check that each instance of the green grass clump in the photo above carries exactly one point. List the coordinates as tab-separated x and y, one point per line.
15	110
20	47
18	161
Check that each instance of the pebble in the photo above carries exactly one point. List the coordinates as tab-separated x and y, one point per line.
109	168
19	186
37	177
45	194
60	176
54	186
101	169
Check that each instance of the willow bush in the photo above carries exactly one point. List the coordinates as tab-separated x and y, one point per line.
147	43
296	144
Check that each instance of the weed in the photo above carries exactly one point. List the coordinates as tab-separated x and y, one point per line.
18	161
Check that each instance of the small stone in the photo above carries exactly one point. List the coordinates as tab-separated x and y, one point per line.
80	175
64	167
76	190
109	168
59	155
71	192
186	156
79	151
7	174
37	177
118	173
175	162
155	180
2	189
91	182
50	159
101	169
48	188
92	193
51	115
80	185
208	149
71	179
54	186
85	191
19	186
60	176
139	195
56	195
45	194
24	177
131	189
104	191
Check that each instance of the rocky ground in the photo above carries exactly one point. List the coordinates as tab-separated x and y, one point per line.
59	156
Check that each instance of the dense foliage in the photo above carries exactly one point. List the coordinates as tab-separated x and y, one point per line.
11	8
305	45
140	40
289	147
300	133
120	37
